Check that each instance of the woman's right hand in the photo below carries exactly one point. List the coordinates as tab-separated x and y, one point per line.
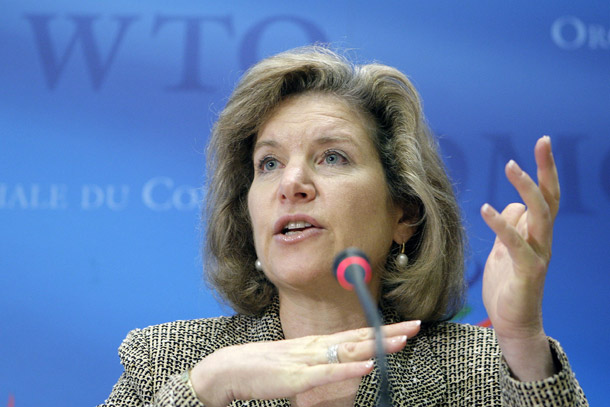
282	369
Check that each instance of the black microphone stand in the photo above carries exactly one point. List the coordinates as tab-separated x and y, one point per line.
373	319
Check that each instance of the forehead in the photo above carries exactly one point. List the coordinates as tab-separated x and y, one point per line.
314	113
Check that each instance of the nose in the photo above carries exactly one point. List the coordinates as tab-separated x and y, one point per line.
296	184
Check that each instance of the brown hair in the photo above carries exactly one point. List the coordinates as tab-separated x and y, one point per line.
431	287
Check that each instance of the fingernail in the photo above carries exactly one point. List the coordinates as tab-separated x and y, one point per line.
488	210
547	139
514	167
400	339
413	323
369	364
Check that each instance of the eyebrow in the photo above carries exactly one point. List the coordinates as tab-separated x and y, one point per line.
265	143
324	140
334	139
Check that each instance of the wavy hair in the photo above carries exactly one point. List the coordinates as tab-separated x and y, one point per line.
431	287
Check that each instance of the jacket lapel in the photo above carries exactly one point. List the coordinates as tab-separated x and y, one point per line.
416	378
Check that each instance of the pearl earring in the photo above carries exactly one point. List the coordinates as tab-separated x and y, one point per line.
258	265
402	259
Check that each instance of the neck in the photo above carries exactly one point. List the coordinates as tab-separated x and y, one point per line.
304	314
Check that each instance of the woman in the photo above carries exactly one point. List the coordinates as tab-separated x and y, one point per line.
312	155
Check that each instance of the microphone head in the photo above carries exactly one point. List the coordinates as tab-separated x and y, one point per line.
349	264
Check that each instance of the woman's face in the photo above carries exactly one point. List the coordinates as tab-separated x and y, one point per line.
318	188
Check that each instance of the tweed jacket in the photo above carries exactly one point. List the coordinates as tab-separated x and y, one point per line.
446	364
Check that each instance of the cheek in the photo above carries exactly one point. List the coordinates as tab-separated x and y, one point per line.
254	212
250	204
370	199
258	209
374	211
254	200
360	208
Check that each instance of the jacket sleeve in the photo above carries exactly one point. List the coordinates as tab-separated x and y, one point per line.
144	385
561	389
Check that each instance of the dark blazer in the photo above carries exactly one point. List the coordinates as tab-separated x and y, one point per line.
446	364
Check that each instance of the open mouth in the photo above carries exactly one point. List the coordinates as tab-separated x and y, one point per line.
293	228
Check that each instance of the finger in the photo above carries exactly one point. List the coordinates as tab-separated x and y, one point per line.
319	375
513	212
548	180
361	351
408	328
539	221
298	380
519	250
314	349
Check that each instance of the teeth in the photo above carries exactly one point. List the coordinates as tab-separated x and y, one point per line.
297	225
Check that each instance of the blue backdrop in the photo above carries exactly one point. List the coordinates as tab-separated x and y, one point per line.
106	110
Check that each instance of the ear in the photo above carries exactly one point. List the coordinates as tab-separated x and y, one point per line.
404	228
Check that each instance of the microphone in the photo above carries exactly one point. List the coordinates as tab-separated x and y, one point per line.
352	269
352	266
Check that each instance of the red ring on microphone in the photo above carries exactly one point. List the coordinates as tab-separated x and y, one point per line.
348	261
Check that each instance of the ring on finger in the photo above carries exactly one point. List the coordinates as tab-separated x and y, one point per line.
332	354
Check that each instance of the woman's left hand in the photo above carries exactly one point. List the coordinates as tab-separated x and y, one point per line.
513	281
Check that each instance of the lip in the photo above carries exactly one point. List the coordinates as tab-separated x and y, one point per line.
283	220
298	237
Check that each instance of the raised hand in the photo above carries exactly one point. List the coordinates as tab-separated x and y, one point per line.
515	272
269	370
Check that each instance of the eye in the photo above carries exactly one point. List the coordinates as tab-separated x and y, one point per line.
268	163
333	157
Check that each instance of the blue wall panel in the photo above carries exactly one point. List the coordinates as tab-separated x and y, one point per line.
105	111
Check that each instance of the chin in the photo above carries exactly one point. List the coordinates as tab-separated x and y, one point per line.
300	274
